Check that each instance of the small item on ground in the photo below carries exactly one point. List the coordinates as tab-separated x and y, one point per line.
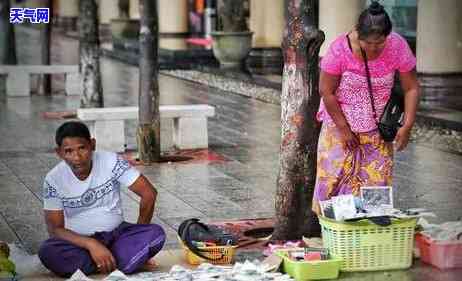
344	207
206	242
312	256
26	264
366	246
286	246
326	209
7	267
375	203
376	197
309	263
448	231
315	242
439	253
248	271
273	262
440	244
311	252
306	254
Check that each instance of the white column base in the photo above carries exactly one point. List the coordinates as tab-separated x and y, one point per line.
166	134
190	133
18	84
73	84
110	135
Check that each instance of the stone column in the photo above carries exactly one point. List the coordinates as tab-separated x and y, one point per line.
267	22
108	9
173	19
134	9
439	37
173	16
337	16
173	24
32	4
68	14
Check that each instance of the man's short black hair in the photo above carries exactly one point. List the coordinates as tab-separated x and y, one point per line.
72	129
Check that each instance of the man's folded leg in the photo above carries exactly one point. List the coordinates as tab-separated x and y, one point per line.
64	258
135	244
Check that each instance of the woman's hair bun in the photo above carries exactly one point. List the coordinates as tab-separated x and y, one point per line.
375	8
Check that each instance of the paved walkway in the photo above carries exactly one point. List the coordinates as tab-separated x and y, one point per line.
245	131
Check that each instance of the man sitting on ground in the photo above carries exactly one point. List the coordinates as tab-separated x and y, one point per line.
83	211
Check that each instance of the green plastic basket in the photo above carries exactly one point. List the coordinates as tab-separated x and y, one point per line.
310	270
365	246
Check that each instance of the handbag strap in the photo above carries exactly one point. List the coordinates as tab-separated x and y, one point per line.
368	76
369	83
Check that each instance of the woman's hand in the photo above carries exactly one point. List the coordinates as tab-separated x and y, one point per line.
411	98
101	256
349	139
402	138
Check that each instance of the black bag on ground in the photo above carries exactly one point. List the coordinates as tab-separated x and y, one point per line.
193	230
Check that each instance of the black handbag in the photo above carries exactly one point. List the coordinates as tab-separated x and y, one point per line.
393	113
192	230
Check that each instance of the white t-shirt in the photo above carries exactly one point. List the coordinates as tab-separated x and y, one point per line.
93	204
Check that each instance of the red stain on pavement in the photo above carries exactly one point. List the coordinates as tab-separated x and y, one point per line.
241	226
186	156
59	114
202	155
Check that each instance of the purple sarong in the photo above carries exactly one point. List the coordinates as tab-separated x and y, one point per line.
342	171
132	245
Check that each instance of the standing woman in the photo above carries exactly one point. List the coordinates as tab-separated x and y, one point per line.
351	152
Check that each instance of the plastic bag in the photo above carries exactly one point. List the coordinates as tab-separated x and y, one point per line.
26	264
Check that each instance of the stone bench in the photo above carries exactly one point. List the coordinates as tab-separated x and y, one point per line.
18	77
182	126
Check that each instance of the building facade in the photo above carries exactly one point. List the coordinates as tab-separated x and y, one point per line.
433	28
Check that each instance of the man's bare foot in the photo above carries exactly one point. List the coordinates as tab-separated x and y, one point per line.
150	265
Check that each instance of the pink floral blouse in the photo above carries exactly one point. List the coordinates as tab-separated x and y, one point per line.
352	92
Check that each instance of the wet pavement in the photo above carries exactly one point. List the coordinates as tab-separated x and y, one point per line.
246	131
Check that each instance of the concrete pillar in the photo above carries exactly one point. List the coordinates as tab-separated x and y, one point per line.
173	43
68	13
134	9
267	22
108	9
31	4
55	4
336	17
69	8
439	36
173	16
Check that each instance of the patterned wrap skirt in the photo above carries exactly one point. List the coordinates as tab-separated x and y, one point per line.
343	171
